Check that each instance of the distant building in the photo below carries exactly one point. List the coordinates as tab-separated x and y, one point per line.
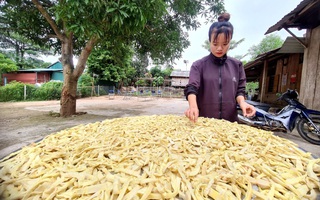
179	78
33	76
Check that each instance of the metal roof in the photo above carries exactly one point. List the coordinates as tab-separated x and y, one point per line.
180	74
305	16
292	45
40	70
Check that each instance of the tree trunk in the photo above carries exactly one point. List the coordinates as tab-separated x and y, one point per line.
71	75
68	100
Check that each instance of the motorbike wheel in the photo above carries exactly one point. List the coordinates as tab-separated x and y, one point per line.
307	131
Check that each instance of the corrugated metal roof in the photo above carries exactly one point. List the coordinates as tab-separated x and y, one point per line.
179	73
292	45
40	70
305	15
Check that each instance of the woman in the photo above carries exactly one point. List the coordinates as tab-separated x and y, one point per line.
217	82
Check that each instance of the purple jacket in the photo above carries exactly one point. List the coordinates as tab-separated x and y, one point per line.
217	82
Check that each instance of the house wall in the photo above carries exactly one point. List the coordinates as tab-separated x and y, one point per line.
57	76
281	74
310	79
179	82
30	78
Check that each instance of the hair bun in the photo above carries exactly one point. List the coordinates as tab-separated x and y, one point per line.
224	17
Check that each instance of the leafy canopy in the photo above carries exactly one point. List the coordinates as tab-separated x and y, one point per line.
152	26
6	64
270	42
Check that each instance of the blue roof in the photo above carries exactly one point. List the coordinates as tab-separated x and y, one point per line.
56	65
39	70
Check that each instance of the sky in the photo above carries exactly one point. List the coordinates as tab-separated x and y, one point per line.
250	20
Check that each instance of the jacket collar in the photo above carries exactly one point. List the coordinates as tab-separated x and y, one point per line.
218	61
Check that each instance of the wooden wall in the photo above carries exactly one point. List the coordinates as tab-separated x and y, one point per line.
310	80
287	75
30	78
179	81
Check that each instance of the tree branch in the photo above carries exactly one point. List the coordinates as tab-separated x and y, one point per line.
46	15
85	55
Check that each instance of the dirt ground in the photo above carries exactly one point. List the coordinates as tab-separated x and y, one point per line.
22	123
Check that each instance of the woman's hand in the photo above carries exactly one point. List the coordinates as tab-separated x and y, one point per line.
247	109
192	113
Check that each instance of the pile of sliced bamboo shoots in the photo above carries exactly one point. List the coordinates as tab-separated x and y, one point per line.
160	157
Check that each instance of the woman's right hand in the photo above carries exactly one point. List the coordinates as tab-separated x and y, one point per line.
192	113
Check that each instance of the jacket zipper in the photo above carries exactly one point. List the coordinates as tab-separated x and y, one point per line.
220	93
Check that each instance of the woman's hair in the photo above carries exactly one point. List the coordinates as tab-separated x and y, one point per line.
222	26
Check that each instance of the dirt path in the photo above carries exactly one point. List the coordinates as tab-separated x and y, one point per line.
22	123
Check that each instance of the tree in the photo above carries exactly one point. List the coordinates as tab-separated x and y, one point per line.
6	65
270	42
233	44
111	63
75	27
22	51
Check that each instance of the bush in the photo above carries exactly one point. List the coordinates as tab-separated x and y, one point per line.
14	91
49	91
84	91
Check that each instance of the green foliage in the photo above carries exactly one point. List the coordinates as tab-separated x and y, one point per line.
154	27
14	91
49	91
270	42
251	87
6	64
158	81
167	72
155	71
22	50
84	91
85	85
85	80
112	63
141	82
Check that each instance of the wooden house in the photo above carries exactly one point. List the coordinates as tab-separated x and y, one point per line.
299	71
33	76
277	70
179	78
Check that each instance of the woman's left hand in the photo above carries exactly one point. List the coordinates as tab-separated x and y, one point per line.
247	109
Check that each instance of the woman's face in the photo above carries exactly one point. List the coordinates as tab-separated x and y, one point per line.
220	46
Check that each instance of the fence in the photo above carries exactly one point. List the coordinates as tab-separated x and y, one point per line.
29	93
167	92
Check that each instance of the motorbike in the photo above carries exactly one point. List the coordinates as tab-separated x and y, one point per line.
294	114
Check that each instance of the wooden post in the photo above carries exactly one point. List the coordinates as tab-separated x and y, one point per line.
310	87
24	92
264	81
